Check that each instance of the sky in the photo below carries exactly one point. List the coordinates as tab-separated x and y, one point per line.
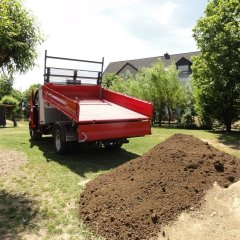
115	30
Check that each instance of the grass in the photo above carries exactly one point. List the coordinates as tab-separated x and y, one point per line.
40	200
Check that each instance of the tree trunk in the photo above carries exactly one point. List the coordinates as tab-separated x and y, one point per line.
160	118
154	117
13	119
169	116
228	126
228	116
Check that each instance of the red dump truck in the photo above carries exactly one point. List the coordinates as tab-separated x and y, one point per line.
74	107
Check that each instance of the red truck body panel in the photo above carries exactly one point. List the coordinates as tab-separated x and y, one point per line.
105	131
100	114
131	103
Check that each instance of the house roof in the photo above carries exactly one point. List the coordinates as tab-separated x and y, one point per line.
115	67
127	63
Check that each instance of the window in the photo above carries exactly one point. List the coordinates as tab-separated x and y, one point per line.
183	68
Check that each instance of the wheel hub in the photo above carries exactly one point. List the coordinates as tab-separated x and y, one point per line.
58	142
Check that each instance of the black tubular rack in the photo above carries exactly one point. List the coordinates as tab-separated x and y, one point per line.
59	75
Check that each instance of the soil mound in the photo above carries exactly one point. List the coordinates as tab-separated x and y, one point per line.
137	198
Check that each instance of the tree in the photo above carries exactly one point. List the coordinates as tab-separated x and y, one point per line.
155	84
187	111
162	87
6	85
123	84
173	90
20	98
19	36
216	72
153	81
108	79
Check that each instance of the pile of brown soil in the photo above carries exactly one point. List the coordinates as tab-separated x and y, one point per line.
136	199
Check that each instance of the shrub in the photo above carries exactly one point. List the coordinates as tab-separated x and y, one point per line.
10	100
186	120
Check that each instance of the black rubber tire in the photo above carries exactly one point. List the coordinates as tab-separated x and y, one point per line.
60	145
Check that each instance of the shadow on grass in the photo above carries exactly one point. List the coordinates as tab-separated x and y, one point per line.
231	139
4	127
84	158
16	214
165	126
176	126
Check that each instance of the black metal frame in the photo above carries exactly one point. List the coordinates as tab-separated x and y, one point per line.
47	70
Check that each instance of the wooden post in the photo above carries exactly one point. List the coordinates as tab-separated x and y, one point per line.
13	118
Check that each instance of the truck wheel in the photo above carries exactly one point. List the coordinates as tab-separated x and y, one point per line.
61	146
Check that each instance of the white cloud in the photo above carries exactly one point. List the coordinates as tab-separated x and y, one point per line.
165	12
185	37
107	4
184	33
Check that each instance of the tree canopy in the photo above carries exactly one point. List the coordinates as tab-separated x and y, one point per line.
216	72
19	37
155	84
6	85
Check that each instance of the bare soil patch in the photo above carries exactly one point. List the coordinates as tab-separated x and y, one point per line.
218	218
137	199
10	161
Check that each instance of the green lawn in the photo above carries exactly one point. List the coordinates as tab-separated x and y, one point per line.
39	201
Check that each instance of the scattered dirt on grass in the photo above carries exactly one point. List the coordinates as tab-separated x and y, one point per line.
230	148
84	182
10	161
137	199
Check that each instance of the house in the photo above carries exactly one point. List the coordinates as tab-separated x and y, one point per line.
183	64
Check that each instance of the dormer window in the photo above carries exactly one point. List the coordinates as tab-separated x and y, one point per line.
184	65
183	68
